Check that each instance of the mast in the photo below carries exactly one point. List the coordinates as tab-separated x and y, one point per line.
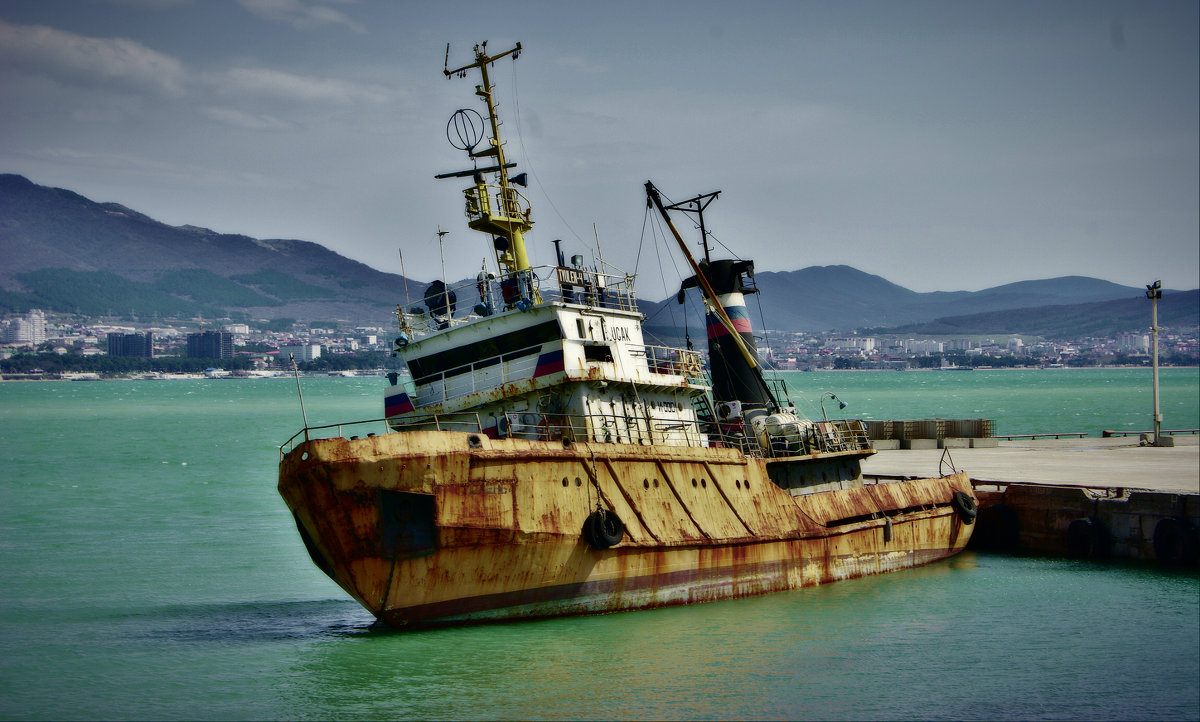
748	385
697	205
498	210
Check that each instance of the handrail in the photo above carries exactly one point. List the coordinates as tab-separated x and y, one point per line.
493	295
469	381
840	435
1169	432
1056	435
476	376
308	430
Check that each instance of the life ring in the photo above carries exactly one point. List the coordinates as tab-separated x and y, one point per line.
1088	539
1175	541
603	529
965	506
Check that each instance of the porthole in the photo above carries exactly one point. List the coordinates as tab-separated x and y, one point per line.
645	483
738	483
578	481
704	483
565	482
304	456
746	484
693	482
656	483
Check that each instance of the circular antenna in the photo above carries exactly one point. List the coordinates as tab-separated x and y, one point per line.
465	129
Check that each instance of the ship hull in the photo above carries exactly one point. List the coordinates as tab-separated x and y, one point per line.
436	528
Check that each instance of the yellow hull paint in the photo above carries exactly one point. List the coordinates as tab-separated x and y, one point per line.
430	527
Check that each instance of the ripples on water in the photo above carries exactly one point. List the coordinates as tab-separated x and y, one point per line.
152	572
979	637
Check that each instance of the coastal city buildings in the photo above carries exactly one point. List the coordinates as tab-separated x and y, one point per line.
210	344
140	345
267	345
25	329
303	352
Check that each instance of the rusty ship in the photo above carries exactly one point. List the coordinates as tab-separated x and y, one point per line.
540	458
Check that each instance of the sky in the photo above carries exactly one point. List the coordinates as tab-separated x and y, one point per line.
940	145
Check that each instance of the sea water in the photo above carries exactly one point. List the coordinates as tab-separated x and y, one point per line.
150	571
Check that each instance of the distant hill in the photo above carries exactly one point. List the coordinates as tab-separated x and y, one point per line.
1177	310
829	298
63	252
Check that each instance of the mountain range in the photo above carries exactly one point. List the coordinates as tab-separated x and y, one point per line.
60	251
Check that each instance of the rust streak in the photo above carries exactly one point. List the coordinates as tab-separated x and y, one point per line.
671	485
632	505
721	490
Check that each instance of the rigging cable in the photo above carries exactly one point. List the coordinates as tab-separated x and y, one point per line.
529	164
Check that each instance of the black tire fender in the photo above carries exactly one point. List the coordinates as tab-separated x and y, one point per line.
603	529
965	506
1175	541
1088	539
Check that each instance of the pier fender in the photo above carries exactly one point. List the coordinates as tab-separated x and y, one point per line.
1088	539
1176	541
965	506
603	529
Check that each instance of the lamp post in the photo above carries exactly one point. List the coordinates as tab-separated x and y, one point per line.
829	395
1154	292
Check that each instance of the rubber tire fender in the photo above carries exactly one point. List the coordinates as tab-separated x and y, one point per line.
965	506
1175	541
603	529
1088	539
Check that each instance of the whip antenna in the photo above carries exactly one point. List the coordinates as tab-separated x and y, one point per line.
296	372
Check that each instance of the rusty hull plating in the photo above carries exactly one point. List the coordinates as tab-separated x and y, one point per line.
428	528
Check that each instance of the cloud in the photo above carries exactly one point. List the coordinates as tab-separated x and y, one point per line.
87	62
244	120
579	64
300	15
278	84
151	4
129	165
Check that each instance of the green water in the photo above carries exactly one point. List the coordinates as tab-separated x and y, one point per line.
1019	401
150	571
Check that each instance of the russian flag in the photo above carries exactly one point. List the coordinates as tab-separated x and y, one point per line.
397	404
549	363
738	314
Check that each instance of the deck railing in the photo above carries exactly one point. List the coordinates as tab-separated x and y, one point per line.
825	437
490	294
495	371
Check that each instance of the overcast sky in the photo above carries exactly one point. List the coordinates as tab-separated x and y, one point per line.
941	145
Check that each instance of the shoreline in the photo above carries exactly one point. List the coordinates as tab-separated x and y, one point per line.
143	376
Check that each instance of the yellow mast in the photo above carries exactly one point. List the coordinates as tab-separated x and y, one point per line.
502	214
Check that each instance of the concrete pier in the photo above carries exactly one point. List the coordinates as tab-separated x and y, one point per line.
1094	462
1085	498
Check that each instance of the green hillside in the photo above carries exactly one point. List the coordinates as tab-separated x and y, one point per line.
97	293
206	287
